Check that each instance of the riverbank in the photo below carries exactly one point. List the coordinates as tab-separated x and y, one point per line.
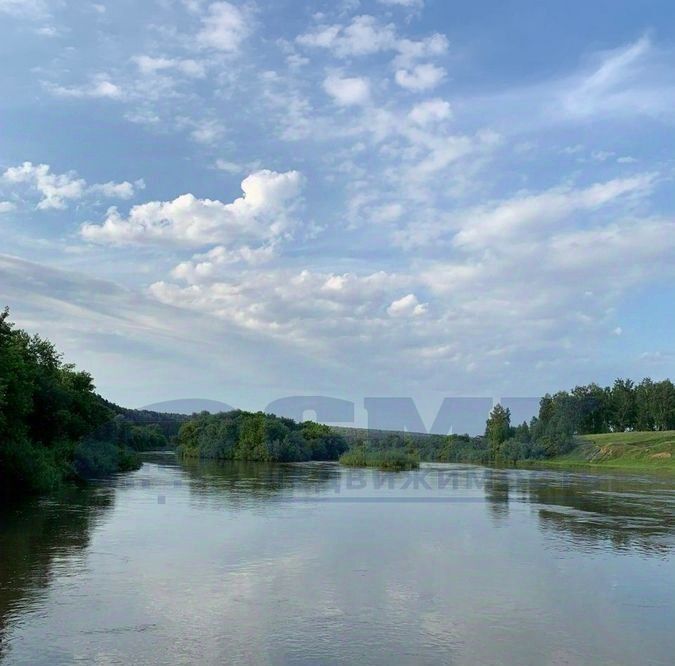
625	450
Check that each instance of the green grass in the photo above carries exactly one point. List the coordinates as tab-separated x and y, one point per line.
392	460
625	450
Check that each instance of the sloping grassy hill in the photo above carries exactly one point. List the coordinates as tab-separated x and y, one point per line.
630	450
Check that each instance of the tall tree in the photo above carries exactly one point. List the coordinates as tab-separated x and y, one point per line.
623	405
498	429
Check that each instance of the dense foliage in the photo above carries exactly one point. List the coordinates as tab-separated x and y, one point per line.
53	426
563	417
239	435
166	424
585	410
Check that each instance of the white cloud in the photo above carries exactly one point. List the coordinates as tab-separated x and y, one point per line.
347	91
365	35
420	77
386	213
99	87
535	213
363	316
7	207
229	167
429	111
606	86
124	190
224	28
305	307
206	267
206	130
58	190
407	306
623	84
149	65
410	50
323	37
30	9
262	213
402	3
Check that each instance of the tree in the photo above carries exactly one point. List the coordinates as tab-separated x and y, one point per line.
663	405
522	433
644	405
623	405
590	406
498	429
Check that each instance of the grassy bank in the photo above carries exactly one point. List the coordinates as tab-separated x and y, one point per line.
625	450
391	460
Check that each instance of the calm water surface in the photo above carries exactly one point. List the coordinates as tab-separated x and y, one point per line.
314	564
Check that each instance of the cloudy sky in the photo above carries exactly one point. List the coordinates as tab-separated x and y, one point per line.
247	200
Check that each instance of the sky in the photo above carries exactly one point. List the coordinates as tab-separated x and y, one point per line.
249	200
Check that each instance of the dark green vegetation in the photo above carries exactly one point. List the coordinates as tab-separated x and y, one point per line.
625	425
239	435
53	425
395	460
581	424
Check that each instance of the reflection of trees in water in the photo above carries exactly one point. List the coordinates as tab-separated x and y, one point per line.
625	512
240	484
496	487
33	534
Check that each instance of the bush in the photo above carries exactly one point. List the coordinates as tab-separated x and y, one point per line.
96	458
28	469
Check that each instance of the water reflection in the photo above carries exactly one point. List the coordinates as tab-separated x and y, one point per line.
239	485
595	510
312	563
497	488
589	510
36	537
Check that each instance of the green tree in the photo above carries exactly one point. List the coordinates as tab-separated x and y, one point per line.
590	407
498	429
663	405
623	405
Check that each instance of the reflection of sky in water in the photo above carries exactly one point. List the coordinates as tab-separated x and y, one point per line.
281	564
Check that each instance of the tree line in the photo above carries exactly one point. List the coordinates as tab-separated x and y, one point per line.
585	410
563	416
240	435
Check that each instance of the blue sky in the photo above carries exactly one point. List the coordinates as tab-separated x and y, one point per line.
248	200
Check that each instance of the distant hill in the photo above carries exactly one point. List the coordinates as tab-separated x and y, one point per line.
189	406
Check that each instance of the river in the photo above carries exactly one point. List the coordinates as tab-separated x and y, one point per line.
240	563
